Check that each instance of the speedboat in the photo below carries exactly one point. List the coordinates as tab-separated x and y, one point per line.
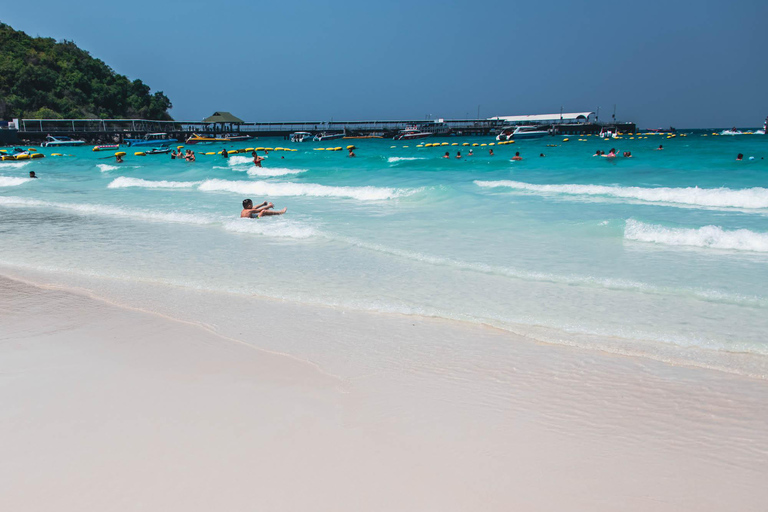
51	141
320	137
300	137
199	139
523	132
238	138
151	139
608	133
410	133
158	151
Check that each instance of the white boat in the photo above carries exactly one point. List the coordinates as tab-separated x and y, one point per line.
608	133
411	133
300	137
51	141
523	132
320	137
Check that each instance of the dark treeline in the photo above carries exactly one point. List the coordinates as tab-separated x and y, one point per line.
43	79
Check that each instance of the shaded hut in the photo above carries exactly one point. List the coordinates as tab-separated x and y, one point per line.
224	122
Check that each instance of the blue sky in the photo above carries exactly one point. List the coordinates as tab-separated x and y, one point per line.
679	63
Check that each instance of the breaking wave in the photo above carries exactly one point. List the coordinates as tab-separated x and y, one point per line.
10	181
273	171
123	182
750	198
712	237
107	167
394	159
264	188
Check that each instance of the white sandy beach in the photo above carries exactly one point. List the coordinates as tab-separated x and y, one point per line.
116	409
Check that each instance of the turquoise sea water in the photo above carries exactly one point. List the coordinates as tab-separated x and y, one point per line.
663	251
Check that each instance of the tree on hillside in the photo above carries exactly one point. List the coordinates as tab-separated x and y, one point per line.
40	78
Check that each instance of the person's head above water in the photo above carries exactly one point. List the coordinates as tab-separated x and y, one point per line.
32	174
247	204
740	156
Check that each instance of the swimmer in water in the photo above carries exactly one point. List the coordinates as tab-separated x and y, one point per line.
611	154
739	157
224	153
257	159
517	156
351	152
32	174
660	148
447	155
118	159
490	152
458	154
256	212
471	153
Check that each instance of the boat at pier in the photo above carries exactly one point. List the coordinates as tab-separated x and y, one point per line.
410	133
51	141
320	137
199	139
238	138
300	137
524	132
151	139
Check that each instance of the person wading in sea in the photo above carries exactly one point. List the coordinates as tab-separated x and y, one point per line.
255	212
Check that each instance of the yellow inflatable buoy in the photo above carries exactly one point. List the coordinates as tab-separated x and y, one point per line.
56	154
210	153
37	155
319	149
120	153
351	147
419	145
475	144
249	149
7	157
465	144
140	153
483	144
443	143
455	144
491	143
32	150
269	149
259	149
566	139
21	157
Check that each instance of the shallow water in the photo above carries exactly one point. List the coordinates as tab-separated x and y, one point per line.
645	255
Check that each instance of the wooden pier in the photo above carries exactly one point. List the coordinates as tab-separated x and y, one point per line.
109	131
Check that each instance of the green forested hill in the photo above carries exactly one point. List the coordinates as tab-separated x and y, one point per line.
40	78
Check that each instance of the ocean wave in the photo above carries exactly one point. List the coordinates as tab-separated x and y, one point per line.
111	211
713	237
107	167
239	160
282	228
395	159
13	165
275	228
263	188
123	182
273	171
749	198
11	181
573	280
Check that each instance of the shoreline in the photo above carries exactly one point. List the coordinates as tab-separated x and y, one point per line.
471	422
743	364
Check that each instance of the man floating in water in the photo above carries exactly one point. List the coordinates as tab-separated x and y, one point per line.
262	210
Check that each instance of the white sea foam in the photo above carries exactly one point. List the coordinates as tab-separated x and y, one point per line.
107	167
13	165
111	211
239	160
750	198
282	228
264	188
12	181
395	159
273	171
713	237
123	182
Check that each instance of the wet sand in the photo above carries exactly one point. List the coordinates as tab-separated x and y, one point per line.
113	408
